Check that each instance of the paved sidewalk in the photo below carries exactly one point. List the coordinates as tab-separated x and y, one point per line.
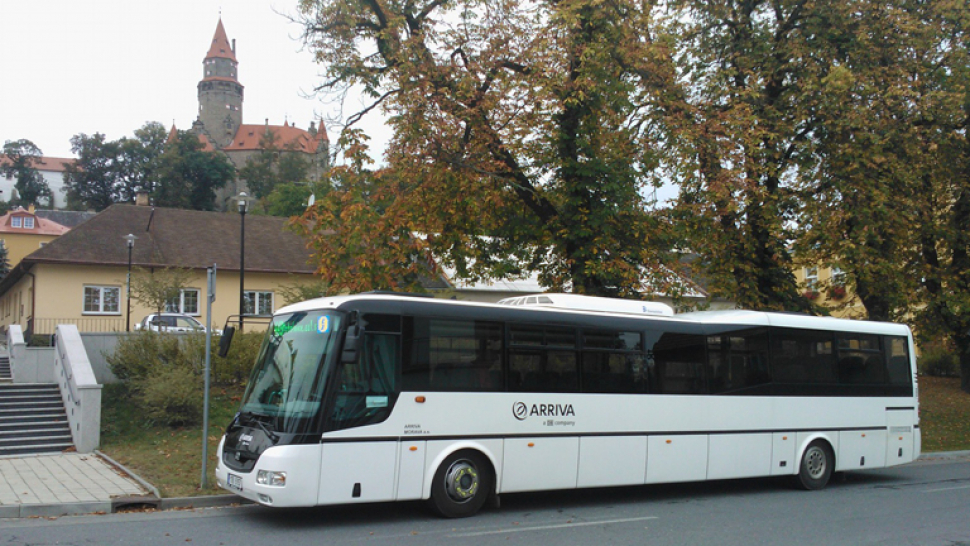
64	483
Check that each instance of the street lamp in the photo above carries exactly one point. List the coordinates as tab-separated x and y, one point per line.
242	201
130	241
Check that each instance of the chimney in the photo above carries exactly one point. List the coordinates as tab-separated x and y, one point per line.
31	208
141	199
233	46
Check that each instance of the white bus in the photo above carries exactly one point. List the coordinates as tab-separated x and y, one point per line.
381	397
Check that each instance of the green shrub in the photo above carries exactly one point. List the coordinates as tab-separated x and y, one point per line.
171	396
162	372
139	354
235	368
39	340
938	362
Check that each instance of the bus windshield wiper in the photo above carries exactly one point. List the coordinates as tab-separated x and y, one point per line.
254	418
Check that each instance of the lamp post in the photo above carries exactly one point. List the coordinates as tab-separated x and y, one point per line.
130	241
242	201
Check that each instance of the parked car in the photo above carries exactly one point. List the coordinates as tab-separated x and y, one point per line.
172	322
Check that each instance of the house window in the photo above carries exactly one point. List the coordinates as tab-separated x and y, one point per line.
102	300
186	303
28	222
16	221
811	278
258	303
838	276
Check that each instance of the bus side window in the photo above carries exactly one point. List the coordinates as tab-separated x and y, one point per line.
897	365
861	360
679	364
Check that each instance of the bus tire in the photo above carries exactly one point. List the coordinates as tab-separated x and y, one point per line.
816	467
461	484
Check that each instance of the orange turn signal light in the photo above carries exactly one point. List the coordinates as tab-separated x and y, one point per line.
419	399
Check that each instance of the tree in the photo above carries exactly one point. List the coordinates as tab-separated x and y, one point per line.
109	172
519	142
942	167
138	161
91	180
4	260
290	199
273	165
22	156
189	176
861	187
156	287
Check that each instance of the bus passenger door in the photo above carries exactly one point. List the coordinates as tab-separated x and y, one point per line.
356	466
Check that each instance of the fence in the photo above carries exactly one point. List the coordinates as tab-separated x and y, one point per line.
47	326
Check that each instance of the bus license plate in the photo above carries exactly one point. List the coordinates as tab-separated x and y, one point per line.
234	481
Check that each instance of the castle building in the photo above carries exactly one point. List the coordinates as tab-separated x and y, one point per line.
220	126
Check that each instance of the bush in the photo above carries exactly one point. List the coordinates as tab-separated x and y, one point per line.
172	396
162	372
938	362
139	354
236	367
39	340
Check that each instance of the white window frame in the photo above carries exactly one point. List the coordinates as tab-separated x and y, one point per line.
28	222
16	221
811	279
180	307
838	276
101	290
252	307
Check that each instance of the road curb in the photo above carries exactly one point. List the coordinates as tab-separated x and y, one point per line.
212	501
944	455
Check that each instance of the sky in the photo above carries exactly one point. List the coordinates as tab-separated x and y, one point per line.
110	66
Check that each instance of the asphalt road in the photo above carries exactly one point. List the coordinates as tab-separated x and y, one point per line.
925	503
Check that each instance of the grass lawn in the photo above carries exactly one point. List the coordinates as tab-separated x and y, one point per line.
944	414
170	459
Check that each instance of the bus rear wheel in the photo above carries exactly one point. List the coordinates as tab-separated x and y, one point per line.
817	465
461	485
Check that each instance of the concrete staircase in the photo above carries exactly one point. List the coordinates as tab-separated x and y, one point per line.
32	419
5	374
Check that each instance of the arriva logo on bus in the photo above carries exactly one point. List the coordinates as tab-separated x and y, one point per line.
521	410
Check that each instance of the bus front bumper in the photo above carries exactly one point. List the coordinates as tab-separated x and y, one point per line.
284	476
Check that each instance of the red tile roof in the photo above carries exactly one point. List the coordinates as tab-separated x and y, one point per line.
220	45
206	143
42	226
290	136
52	164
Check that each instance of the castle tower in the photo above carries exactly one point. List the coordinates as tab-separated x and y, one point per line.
220	93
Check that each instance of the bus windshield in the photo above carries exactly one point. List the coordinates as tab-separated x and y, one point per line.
288	380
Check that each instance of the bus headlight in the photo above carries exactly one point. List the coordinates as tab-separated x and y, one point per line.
271	477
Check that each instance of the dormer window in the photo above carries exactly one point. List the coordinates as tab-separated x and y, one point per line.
28	222
16	221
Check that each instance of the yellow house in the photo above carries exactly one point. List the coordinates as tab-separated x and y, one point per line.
827	287
23	231
81	277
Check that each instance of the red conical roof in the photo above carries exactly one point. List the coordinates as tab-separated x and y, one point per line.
220	45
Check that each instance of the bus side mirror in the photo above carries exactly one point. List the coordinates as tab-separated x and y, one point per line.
351	344
226	340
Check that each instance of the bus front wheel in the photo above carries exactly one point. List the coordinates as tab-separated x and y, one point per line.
461	484
817	465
